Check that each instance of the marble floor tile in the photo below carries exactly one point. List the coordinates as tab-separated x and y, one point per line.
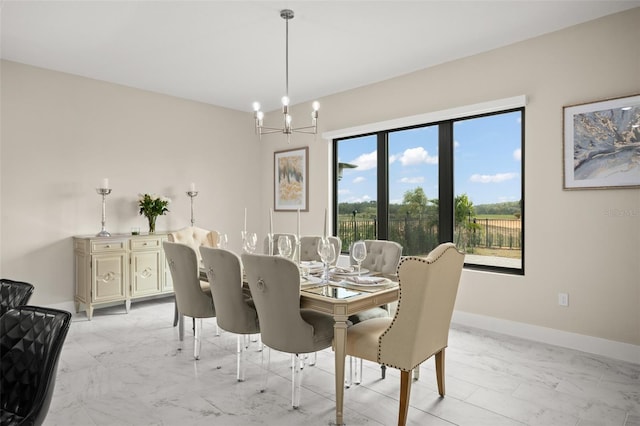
131	369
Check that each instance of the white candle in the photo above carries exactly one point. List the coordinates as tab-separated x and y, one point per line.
105	183
192	187
298	234
245	220
325	222
271	221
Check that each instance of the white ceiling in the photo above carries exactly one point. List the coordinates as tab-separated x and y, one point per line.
231	53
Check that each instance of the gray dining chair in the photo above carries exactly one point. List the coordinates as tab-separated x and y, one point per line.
235	311
193	299
309	247
284	326
195	238
292	237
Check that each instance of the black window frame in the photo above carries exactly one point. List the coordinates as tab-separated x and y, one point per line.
446	169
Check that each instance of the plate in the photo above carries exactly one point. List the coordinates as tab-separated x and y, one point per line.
310	280
367	281
354	273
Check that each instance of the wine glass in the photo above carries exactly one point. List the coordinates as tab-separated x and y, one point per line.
250	242
359	253
284	246
327	253
223	240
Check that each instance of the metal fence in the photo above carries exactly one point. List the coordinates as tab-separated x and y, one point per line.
420	235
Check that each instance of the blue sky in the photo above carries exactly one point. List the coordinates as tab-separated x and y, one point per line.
486	156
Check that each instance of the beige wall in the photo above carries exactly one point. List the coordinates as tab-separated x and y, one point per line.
61	134
572	245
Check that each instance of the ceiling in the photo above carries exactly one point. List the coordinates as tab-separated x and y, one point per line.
231	53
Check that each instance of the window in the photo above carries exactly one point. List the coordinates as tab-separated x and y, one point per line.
457	179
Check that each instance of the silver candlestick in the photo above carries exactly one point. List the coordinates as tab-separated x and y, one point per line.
104	192
192	194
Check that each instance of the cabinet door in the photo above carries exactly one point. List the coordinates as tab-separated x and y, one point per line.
109	273
146	273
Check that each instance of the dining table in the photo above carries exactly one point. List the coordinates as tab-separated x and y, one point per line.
341	297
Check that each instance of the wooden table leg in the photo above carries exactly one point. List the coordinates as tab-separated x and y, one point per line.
340	343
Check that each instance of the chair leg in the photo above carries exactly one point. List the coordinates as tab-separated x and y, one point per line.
241	352
175	314
405	392
296	380
440	371
265	379
181	326
358	374
197	341
383	371
416	372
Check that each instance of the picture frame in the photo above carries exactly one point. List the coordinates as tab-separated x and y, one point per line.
601	143
291	179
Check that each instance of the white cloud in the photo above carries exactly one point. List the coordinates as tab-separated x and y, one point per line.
456	144
417	179
517	154
343	191
359	179
366	161
497	178
361	199
419	155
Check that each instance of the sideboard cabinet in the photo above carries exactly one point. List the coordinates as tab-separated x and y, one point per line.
120	268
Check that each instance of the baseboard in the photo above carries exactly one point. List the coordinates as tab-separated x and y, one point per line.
594	345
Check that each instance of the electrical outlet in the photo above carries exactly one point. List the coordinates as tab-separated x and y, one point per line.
563	299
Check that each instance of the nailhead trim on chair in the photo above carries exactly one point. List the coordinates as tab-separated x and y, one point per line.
421	259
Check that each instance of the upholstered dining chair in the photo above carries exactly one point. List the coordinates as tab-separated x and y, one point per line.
14	293
235	313
195	238
192	298
284	326
309	247
420	327
31	339
292	237
383	257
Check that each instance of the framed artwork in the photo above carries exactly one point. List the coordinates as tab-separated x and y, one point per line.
291	179
602	144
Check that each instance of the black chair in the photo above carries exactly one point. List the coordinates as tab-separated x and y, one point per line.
31	339
13	293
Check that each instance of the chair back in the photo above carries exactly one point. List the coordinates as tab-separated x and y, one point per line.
275	288
31	340
428	289
13	293
292	237
183	264
195	238
309	247
382	256
224	271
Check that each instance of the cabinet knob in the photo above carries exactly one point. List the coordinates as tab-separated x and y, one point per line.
108	246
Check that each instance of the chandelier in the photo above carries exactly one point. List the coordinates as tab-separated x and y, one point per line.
287	127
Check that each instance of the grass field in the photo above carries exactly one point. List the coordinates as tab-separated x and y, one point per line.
498	252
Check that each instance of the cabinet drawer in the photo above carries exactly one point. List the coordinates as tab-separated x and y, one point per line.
107	246
145	243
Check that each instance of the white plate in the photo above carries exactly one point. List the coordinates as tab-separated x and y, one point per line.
354	273
310	280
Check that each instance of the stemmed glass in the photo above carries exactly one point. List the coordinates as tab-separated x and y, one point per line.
359	253
284	246
250	242
327	253
223	240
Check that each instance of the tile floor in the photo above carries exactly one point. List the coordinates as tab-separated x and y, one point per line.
127	369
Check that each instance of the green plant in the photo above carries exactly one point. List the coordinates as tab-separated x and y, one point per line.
152	205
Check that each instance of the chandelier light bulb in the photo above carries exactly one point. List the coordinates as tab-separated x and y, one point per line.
260	115
256	106
285	100
315	105
288	119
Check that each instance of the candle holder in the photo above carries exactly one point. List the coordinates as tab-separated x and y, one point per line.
104	192
192	194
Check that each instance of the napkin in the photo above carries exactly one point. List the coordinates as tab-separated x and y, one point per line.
366	280
340	269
